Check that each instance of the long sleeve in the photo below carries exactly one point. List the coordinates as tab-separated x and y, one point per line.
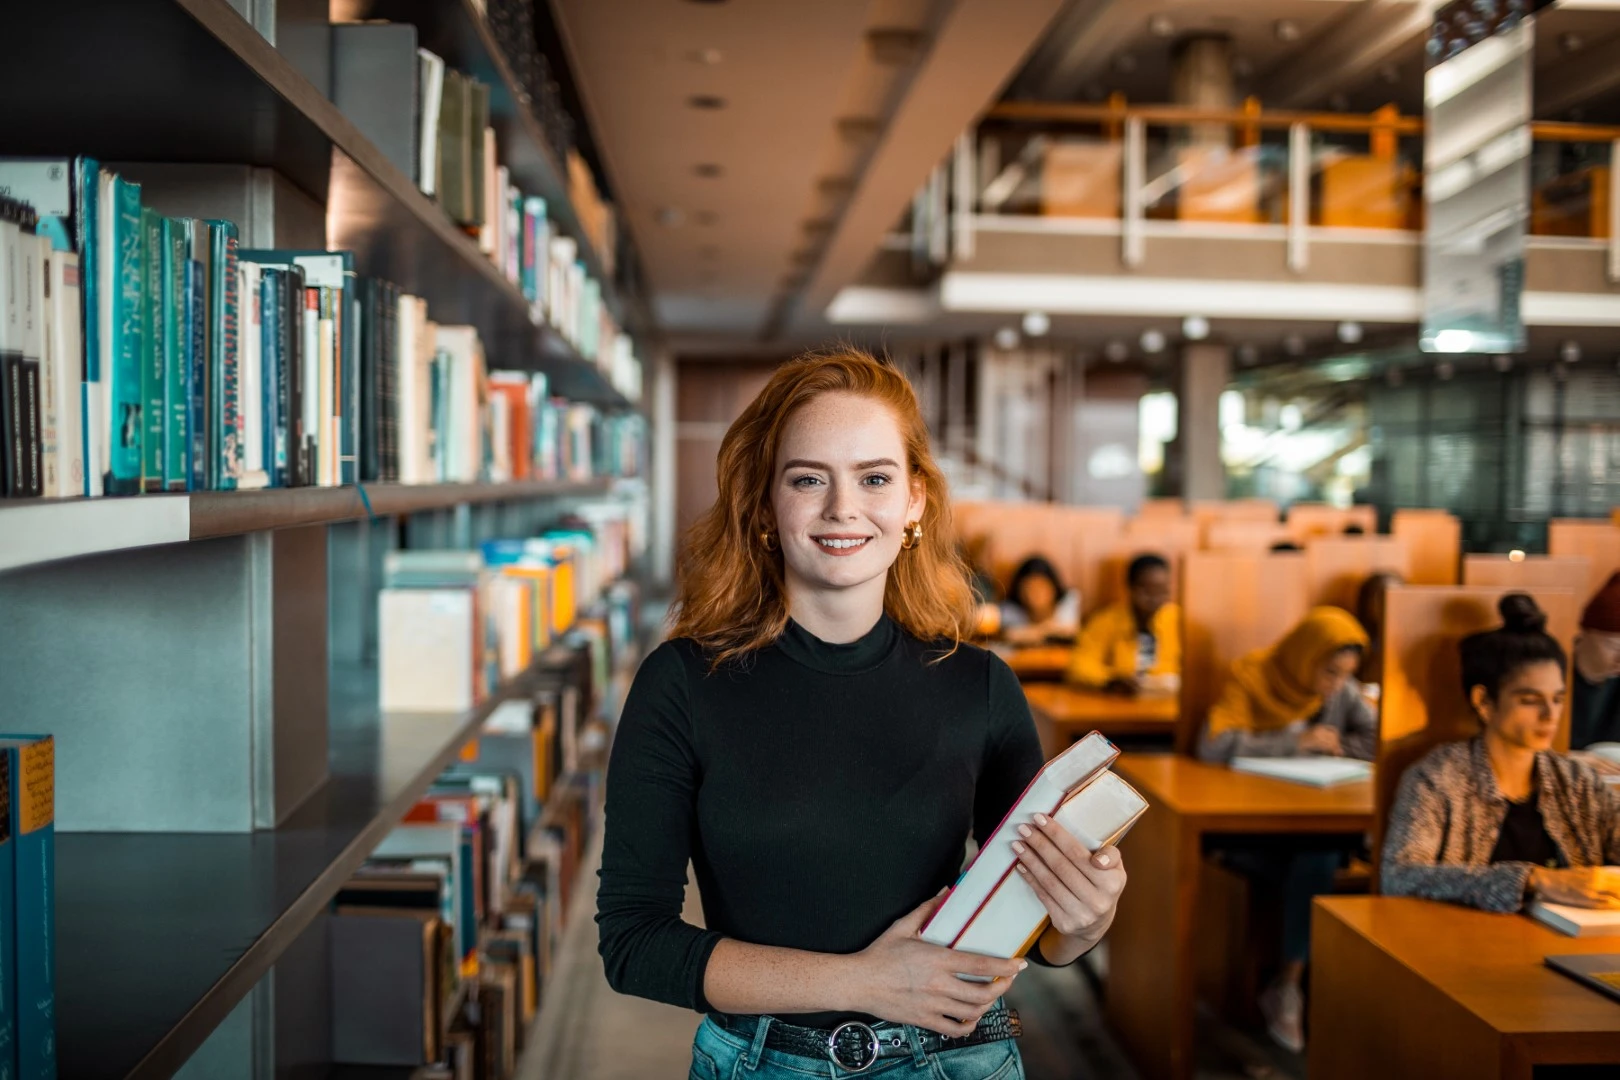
1411	867
652	781
1092	662
1359	735
1167	635
1230	733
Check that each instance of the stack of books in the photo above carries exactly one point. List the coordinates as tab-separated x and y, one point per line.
443	943
27	906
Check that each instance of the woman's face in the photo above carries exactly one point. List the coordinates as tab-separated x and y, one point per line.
842	496
1526	710
1335	671
1037	596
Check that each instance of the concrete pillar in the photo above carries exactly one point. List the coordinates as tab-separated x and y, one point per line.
1205	371
1201	78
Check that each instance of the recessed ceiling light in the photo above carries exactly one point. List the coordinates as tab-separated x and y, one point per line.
1570	352
1037	323
1294	345
1349	332
1152	340
706	101
1286	30
1571	42
1502	362
708	170
1116	351
1161	26
1195	328
1006	339
1247	354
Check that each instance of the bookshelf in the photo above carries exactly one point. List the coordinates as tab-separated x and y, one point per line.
192	81
166	640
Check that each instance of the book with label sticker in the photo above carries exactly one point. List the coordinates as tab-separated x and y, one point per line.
30	760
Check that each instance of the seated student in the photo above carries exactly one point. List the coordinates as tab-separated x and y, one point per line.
1296	698
1136	641
1370	601
1594	716
1037	607
1492	820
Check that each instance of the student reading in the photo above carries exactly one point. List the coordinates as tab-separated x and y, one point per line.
1297	697
1500	817
1038	607
1134	641
819	742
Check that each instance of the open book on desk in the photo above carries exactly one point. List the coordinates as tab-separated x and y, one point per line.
1312	771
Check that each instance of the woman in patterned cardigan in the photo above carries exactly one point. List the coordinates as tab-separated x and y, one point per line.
1492	820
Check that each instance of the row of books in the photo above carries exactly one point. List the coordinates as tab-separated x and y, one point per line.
444	942
447	146
27	906
145	353
454	625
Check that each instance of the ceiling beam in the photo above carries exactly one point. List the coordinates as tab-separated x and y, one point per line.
1346	52
978	47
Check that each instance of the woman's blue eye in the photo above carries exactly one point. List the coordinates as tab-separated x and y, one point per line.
876	480
804	481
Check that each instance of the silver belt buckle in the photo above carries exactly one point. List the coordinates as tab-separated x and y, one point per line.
871	1047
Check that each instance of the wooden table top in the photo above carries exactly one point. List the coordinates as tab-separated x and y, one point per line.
1246	802
1041	662
1489	964
1073	705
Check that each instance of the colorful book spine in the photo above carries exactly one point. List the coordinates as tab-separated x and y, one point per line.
124	412
8	919
154	371
348	382
225	348
31	761
176	350
196	373
92	430
273	377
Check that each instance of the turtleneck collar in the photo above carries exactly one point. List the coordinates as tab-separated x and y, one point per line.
861	655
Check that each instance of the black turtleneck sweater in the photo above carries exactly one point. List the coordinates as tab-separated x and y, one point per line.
821	792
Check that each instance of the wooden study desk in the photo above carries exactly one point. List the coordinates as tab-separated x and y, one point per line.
1152	961
1040	662
1413	988
1064	713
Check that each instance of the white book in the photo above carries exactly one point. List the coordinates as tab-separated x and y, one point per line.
50	399
97	416
430	83
1311	771
1576	921
1099	814
425	640
250	404
464	442
489	233
64	382
1070	769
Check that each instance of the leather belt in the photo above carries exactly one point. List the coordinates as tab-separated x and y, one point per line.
855	1046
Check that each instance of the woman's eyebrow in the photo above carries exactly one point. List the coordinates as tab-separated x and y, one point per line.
801	463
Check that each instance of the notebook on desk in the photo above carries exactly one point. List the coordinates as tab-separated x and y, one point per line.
1600	972
1312	771
1576	921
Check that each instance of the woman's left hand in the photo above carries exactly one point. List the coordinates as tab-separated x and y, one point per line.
1080	888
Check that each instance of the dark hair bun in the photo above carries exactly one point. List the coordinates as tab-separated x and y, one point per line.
1520	615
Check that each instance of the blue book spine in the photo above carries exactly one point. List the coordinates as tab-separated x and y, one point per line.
349	384
225	355
87	185
176	403
467	911
124	419
8	919
196	385
270	374
154	376
32	763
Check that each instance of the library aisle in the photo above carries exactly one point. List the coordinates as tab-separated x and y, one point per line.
588	1032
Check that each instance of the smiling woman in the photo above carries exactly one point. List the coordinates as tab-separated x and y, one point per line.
819	743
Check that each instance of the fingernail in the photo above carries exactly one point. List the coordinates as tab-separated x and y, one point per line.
1022	869
1023	830
1017	847
1041	820
1104	861
1022	964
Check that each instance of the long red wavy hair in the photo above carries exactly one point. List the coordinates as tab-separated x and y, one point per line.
731	596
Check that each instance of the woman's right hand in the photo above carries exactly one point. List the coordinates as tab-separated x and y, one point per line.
906	980
1582	886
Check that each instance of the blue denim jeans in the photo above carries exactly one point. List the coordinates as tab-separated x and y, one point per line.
719	1055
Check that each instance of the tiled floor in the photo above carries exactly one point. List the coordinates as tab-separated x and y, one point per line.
587	1032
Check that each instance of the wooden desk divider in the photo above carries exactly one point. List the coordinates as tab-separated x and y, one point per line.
1529	573
1598	541
1081	534
1232	602
1422	700
1306	520
1207	511
1017	530
1434	545
1335	566
1245	535
1159	509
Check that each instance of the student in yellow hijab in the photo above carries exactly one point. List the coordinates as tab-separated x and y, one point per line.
1297	697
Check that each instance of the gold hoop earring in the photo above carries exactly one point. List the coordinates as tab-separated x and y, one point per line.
912	536
767	540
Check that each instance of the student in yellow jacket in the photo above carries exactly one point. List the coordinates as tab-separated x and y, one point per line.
1135	639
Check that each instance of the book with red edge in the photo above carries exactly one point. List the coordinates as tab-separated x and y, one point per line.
1065	773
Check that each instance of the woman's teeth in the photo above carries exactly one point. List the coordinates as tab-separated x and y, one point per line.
841	543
